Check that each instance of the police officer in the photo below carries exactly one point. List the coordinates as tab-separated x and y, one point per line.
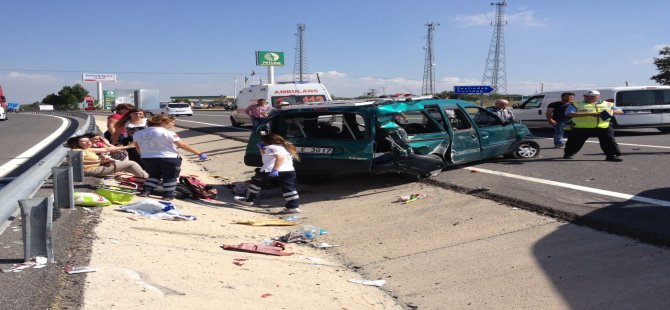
591	118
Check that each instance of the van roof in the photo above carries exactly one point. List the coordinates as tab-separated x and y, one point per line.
618	88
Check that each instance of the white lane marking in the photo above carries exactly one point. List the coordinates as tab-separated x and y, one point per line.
628	144
603	192
218	125
23	157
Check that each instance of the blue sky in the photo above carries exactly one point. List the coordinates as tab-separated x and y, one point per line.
198	47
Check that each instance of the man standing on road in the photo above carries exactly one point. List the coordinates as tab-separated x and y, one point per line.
500	109
258	112
557	118
592	118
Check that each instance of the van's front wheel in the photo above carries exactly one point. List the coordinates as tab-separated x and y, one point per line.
527	149
234	123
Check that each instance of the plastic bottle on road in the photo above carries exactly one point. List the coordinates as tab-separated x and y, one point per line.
308	231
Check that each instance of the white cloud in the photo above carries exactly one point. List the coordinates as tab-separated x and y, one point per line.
475	20
524	18
27	88
642	62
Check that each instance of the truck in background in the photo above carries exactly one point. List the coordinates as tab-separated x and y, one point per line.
643	106
277	95
145	99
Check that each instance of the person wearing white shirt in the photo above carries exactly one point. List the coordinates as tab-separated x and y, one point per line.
277	155
157	146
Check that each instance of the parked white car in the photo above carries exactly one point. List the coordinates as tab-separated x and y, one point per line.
174	108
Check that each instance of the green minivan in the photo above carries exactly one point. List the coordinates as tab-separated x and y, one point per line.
414	137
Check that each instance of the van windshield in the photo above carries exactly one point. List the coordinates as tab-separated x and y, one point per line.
532	103
290	100
179	105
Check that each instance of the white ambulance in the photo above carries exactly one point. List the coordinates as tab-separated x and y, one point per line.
643	106
277	95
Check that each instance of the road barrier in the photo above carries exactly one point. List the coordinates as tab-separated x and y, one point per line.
28	183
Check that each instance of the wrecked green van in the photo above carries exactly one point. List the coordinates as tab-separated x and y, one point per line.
419	137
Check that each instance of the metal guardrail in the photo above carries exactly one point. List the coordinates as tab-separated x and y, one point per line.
28	183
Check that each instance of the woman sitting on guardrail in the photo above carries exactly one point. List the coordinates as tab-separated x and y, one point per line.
95	165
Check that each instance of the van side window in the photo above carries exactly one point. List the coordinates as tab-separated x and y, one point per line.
415	122
635	98
343	126
457	119
532	103
666	97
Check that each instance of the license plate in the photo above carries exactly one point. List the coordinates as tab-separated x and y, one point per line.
315	150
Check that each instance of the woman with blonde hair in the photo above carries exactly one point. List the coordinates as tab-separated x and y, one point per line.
277	155
158	147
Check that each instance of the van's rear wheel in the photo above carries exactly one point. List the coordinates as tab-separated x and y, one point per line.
664	129
234	123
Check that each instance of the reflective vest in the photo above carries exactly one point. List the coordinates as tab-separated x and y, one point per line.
592	121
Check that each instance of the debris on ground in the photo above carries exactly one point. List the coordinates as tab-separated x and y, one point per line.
155	209
265	222
479	189
238	188
35	263
78	269
323	245
411	198
377	283
291	218
277	248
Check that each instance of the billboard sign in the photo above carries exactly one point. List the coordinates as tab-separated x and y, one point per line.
98	77
268	58
109	98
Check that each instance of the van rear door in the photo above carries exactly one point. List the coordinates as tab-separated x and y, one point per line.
641	107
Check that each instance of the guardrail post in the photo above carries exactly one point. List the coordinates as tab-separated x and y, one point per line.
63	187
37	221
76	160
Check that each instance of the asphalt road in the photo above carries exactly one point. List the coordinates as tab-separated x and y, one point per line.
615	197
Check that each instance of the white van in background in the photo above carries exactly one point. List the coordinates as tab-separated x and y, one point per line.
643	106
173	108
277	95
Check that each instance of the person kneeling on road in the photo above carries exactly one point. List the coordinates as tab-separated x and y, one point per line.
158	147
277	155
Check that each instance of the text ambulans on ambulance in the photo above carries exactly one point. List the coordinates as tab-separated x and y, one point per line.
277	95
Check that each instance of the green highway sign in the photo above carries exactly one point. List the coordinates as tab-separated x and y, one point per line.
268	58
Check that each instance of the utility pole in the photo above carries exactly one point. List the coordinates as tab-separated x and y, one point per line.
300	64
429	64
495	73
384	90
